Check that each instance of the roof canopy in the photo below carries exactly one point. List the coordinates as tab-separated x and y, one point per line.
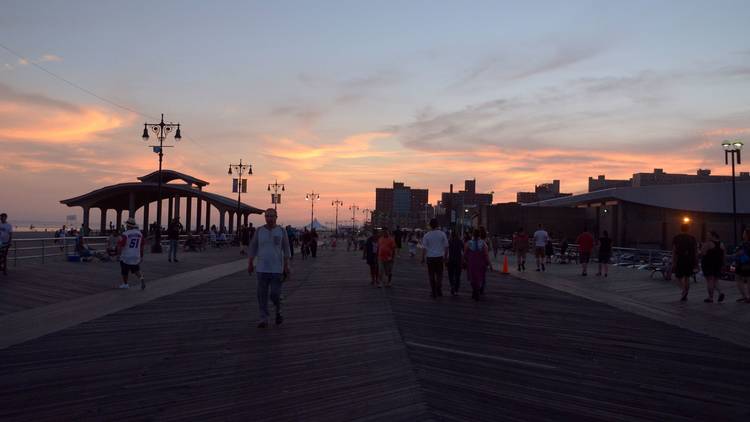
169	175
118	196
699	197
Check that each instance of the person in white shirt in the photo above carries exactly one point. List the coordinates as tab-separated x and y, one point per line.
435	244
270	245
6	230
130	249
540	241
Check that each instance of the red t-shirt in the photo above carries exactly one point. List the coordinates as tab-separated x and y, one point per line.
585	242
386	246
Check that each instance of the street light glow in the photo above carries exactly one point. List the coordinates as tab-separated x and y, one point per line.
686	220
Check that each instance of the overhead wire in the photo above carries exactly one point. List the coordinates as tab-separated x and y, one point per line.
85	90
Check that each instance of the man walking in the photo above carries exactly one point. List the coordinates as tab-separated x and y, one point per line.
435	244
585	243
540	242
684	258
6	230
173	234
271	245
398	236
386	255
130	249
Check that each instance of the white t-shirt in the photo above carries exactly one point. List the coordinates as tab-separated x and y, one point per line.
131	242
435	242
5	230
540	238
269	246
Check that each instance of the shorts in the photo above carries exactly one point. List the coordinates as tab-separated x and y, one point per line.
539	251
126	268
584	257
683	269
386	267
604	258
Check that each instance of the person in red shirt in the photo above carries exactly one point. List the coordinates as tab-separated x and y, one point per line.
585	243
386	253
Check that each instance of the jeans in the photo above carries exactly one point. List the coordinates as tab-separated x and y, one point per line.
454	275
173	249
435	274
266	280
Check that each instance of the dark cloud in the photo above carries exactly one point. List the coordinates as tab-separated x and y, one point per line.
10	95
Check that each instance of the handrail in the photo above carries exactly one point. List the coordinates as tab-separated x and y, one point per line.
63	246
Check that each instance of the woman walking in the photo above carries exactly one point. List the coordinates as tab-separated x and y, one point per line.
455	260
370	255
712	260
742	267
605	253
521	247
477	259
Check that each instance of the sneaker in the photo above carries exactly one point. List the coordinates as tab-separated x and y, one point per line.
175	260
742	299
721	297
538	269
683	298
170	259
143	283
124	286
279	318
263	324
708	300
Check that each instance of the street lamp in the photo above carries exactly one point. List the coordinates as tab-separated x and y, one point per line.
276	196
337	204
312	197
354	208
240	170
733	148
366	212
161	130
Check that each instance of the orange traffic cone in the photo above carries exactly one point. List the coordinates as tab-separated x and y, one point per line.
505	265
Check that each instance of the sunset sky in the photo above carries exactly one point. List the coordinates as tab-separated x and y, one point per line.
343	97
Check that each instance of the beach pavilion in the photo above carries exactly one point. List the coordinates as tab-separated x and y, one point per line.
132	196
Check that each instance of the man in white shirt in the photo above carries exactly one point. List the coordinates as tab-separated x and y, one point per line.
540	241
270	245
6	230
435	244
130	249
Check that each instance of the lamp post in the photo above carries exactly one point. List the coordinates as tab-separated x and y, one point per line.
240	170
312	197
276	198
337	204
161	130
366	212
733	148
354	208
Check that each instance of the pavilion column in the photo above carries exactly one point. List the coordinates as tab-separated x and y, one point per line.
170	205
86	211
244	219
239	220
131	205
103	221
177	207
198	214
221	219
208	215
188	212
231	222
119	219
146	207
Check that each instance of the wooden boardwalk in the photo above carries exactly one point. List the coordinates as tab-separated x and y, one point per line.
348	351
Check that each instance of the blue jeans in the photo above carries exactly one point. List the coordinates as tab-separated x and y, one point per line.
173	249
266	280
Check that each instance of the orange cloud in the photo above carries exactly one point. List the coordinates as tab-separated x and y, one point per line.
58	126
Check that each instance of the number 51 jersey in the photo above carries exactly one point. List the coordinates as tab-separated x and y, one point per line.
131	243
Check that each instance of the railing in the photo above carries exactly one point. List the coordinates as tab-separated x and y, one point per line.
49	247
620	256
